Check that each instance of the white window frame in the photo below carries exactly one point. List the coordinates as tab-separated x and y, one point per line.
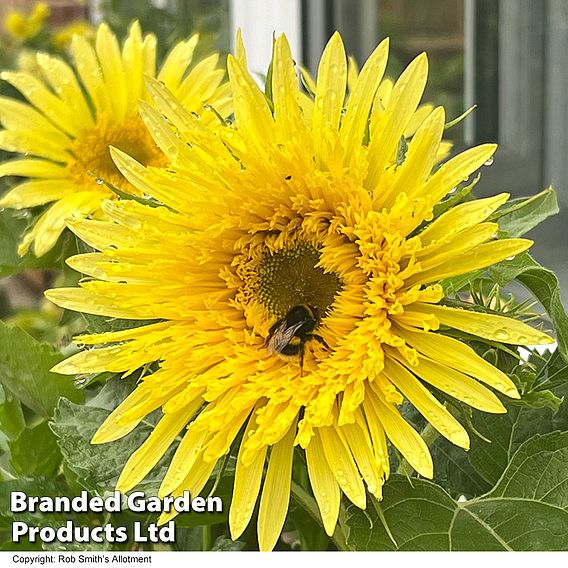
258	20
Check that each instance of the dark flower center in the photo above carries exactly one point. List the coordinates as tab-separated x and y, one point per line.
290	278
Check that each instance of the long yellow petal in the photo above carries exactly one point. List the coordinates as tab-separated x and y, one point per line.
285	92
460	356
110	60
276	491
444	251
404	437
133	60
455	171
325	487
176	62
64	82
489	326
426	403
458	385
359	442
16	115
330	93
461	217
194	483
185	457
89	71
33	193
342	464
33	169
247	485
252	113
51	224
420	158
33	143
387	127
154	447
44	100
482	256
111	429
361	98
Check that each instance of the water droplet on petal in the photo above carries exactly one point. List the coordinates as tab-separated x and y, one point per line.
502	335
489	162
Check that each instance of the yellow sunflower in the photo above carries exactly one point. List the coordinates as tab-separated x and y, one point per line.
295	280
75	114
22	27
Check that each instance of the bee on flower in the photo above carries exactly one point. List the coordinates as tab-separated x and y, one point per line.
290	286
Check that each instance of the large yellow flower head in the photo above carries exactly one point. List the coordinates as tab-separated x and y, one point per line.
75	114
282	237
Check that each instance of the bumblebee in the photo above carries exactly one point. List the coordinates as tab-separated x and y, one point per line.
289	335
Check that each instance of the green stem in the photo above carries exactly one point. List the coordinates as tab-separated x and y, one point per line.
5	474
382	518
308	503
206	538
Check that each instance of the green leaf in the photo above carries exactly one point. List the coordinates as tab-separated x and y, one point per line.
543	380
527	509
454	471
35	452
519	216
538	472
542	399
40	487
507	432
543	284
10	232
98	467
12	420
461	193
103	324
24	371
223	543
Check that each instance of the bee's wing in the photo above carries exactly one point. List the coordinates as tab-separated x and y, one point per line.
282	336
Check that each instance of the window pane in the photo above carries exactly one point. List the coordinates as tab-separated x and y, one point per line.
437	27
171	20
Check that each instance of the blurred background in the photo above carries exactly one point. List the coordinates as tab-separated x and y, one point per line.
509	57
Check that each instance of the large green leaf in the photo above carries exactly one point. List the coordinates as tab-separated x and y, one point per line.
25	371
506	433
527	509
454	470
